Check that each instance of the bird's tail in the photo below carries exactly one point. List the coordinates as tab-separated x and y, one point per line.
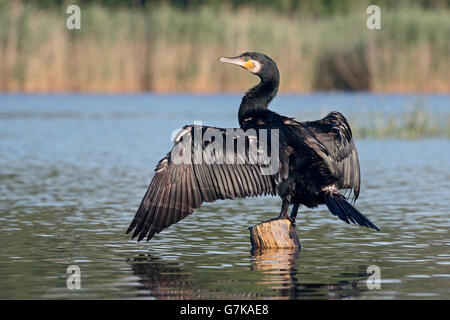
340	207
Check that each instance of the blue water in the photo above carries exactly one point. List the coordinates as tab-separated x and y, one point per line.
73	169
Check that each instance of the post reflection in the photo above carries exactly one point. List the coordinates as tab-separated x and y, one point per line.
279	267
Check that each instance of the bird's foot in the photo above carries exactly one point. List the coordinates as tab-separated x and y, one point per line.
291	219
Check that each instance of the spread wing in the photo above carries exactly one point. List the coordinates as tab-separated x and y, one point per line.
203	170
337	148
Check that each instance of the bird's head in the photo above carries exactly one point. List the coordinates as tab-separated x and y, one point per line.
257	63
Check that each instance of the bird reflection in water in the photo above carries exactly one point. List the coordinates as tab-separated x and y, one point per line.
161	279
281	274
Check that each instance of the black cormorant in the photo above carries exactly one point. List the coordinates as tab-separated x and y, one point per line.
316	161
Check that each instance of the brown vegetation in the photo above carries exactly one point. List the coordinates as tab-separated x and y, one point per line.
165	50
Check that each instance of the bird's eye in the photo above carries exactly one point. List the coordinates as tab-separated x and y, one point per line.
246	58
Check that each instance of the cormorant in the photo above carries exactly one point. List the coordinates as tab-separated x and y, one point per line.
315	161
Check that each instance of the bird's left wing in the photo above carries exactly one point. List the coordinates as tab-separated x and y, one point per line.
204	165
336	146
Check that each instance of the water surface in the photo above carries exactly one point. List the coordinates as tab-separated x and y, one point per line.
73	169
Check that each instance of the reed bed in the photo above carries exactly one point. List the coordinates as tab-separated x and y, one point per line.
164	49
411	125
412	122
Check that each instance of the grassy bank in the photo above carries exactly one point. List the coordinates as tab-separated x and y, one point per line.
164	49
418	123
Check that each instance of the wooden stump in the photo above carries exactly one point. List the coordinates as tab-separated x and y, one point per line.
274	234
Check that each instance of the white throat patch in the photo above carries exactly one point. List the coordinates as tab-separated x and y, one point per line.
257	66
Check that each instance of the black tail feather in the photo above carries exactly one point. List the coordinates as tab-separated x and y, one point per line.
340	207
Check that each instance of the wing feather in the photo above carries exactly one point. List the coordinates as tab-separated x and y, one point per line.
335	144
178	188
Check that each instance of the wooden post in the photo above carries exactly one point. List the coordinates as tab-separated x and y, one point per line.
274	234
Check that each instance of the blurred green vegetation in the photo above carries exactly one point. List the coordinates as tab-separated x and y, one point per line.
168	46
416	120
418	123
316	7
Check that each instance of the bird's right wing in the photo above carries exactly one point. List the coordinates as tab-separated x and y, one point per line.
204	169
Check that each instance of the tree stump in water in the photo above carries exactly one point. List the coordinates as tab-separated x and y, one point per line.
274	234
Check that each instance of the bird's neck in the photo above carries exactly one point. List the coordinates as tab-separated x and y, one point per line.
257	99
